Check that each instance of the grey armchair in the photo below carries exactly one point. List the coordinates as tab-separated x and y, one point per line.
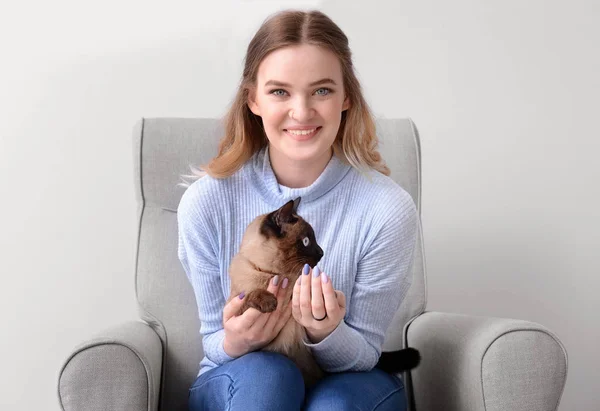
469	363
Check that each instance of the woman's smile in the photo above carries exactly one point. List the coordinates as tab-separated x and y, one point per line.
302	134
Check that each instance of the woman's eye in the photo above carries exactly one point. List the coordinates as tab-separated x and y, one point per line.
326	91
305	241
323	91
277	92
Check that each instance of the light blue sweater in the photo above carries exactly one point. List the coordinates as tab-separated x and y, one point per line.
366	227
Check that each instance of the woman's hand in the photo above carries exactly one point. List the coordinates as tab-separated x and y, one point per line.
313	299
253	330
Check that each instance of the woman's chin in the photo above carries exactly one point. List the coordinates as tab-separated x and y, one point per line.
306	150
303	154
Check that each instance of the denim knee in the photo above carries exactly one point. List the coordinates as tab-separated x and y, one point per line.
274	368
255	381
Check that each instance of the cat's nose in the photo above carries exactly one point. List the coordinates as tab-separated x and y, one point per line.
319	251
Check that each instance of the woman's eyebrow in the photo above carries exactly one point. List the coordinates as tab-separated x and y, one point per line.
314	83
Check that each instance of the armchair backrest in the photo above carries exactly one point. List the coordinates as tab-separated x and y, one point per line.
163	149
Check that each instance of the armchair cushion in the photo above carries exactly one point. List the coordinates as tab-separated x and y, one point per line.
481	363
119	369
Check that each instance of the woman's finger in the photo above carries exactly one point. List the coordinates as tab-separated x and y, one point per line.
341	299
331	302
233	307
296	312
317	302
273	286
275	315
260	322
254	318
248	319
283	318
305	299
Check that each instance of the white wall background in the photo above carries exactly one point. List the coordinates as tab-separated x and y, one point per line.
504	93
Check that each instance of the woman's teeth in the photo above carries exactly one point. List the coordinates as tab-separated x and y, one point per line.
302	132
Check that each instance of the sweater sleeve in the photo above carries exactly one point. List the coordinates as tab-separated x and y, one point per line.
381	283
196	251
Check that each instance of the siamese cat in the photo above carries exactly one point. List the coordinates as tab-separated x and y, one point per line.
281	243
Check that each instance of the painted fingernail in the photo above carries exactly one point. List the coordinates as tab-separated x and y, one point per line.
324	278
316	272
306	269
284	283
242	295
276	280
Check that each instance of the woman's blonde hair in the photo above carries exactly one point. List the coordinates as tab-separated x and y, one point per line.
356	141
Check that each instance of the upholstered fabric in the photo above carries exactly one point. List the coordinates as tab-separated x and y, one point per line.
118	370
490	364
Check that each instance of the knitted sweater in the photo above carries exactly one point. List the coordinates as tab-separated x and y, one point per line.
365	223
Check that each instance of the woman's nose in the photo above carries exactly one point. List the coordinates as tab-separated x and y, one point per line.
302	111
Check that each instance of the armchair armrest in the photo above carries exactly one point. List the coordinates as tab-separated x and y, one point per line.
119	369
490	364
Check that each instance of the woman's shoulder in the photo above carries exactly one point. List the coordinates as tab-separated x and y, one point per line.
207	193
382	192
207	185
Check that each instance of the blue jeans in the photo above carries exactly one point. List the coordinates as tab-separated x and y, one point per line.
265	381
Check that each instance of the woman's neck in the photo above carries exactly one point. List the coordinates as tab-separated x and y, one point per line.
298	174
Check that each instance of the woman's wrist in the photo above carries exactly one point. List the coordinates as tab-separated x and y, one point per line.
233	352
316	336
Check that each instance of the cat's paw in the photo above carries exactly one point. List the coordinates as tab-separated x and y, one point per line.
263	301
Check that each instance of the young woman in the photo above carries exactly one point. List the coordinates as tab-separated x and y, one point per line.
299	127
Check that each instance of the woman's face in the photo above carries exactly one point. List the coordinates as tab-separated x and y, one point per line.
300	97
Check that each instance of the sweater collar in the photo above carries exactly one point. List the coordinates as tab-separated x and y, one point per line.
263	180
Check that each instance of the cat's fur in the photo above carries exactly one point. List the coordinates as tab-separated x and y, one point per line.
274	244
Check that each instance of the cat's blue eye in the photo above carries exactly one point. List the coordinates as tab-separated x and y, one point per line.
305	241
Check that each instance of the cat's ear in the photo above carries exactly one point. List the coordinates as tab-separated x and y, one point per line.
275	220
284	214
296	204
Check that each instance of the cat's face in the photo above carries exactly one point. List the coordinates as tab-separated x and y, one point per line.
292	235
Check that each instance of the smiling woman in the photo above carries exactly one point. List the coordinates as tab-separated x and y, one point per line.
298	127
301	118
317	80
